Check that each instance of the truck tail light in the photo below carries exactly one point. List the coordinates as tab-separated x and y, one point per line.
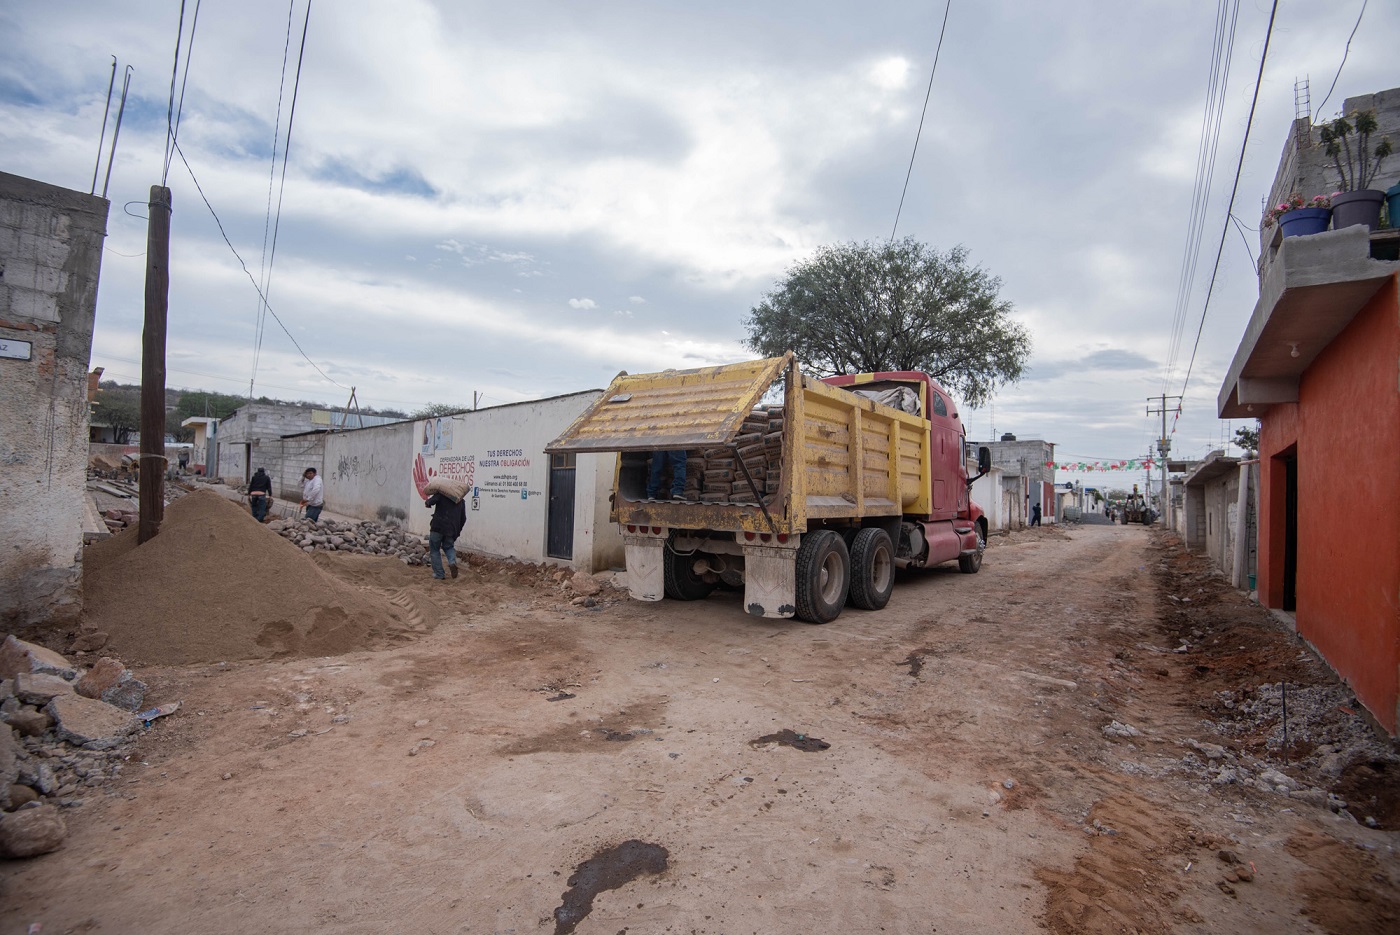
631	527
656	529
764	536
748	536
782	537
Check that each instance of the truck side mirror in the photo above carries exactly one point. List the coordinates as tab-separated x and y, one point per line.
984	459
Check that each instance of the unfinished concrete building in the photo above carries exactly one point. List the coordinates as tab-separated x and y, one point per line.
50	257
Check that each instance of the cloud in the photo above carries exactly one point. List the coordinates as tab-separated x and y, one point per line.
582	303
637	300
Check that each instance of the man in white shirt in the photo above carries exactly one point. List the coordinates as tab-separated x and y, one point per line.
313	495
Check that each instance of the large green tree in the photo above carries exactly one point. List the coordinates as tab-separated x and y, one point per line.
864	307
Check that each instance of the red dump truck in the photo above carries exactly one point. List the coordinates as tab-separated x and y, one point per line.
807	493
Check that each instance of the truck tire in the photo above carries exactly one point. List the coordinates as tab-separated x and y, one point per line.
679	580
971	564
872	569
823	576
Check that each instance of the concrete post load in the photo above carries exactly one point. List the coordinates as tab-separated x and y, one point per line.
807	493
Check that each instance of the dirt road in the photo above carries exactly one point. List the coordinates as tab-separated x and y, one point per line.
1015	751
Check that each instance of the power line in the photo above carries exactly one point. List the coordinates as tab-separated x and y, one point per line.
265	270
1234	189
180	108
170	107
1221	55
246	272
924	113
1345	53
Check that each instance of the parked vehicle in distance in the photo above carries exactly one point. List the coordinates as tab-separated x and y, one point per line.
807	493
1135	509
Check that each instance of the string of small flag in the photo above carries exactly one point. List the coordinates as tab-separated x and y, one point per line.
1127	464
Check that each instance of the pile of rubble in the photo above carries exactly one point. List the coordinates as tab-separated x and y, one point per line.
366	538
62	726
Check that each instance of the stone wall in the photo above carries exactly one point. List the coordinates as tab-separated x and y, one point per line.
50	257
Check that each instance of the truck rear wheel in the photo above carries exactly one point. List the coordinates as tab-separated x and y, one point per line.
872	568
970	564
823	576
679	579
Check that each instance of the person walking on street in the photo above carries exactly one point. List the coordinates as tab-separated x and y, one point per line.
1035	515
449	516
260	494
313	495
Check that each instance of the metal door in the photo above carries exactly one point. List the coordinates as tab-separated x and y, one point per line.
560	538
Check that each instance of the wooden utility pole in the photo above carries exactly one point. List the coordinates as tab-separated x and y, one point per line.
153	365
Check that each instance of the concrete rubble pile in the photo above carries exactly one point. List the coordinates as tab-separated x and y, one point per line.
62	727
364	538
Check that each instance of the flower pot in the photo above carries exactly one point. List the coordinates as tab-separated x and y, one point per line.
1363	207
1304	221
1392	199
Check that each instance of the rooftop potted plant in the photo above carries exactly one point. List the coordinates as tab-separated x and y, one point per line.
1348	143
1297	217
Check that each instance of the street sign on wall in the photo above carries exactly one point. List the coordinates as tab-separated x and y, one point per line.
16	350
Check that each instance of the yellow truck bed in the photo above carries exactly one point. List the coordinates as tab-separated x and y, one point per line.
842	455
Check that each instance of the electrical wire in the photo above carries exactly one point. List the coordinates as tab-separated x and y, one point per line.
1234	190
170	107
184	81
1252	262
286	151
1216	85
261	316
1345	53
199	188
924	113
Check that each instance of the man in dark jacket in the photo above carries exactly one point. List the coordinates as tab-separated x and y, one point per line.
449	516
260	494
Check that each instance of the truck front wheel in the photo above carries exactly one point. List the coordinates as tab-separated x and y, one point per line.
872	569
823	576
679	579
970	564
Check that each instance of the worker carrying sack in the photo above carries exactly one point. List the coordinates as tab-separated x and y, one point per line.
456	490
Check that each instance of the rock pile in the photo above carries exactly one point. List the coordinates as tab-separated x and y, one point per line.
364	538
61	726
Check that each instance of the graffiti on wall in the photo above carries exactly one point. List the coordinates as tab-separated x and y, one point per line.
350	467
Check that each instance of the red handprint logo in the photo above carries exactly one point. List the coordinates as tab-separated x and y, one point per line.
421	475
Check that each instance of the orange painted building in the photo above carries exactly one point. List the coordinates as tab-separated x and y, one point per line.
1319	367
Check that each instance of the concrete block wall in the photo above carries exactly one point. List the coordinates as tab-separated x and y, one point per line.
369	472
242	436
50	258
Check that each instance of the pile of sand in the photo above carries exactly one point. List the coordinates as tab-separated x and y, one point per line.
215	585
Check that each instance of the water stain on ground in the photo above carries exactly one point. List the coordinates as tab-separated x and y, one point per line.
606	870
638	719
793	739
915	661
562	696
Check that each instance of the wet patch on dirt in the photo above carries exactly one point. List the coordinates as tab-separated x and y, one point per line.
915	661
562	696
608	869
789	738
579	736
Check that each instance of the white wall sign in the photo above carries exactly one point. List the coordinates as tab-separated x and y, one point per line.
16	350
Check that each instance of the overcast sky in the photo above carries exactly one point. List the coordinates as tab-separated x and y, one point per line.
523	199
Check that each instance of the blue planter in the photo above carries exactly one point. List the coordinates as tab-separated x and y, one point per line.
1304	221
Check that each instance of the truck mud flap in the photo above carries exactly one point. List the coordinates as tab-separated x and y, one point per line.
770	581
645	568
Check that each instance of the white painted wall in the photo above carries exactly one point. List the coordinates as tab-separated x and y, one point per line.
986	493
499	453
369	472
